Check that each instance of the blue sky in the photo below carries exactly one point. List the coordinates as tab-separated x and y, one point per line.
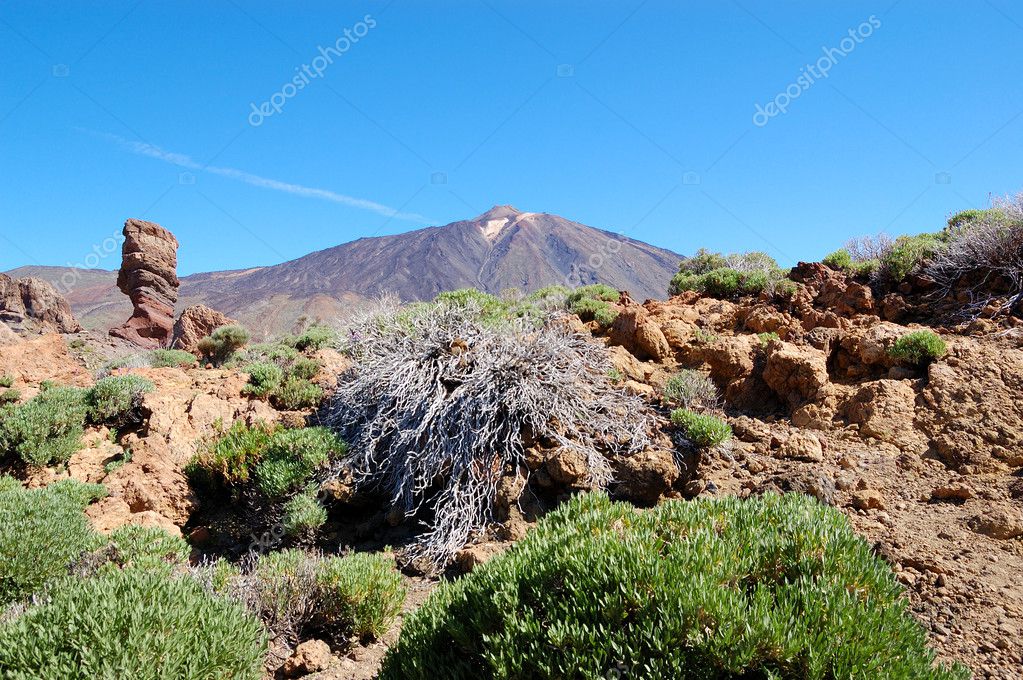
631	116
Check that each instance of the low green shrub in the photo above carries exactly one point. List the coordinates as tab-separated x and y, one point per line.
593	291
840	259
275	352
702	429
305	368
303	515
79	493
223	342
6	381
171	358
10	396
907	253
593	303
133	624
590	309
689	388
727	276
292	456
866	268
279	461
149	548
42	532
231	456
283	590
264	378
550	297
297	393
769	587
918	348
361	592
964	217
117	399
316	337
46	429
358	594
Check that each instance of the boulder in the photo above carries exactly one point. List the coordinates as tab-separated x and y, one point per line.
885	409
196	323
798	374
311	656
634	330
33	305
148	276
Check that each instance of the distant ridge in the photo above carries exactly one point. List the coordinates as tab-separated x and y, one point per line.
502	248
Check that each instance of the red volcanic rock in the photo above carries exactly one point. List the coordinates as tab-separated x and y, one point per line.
149	277
32	305
196	323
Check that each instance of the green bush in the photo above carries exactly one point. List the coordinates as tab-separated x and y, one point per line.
284	589
727	276
550	297
223	342
316	337
297	393
907	253
147	548
593	291
279	461
689	388
770	587
866	268
9	397
590	309
292	456
48	428
360	592
276	352
702	429
117	399
964	217
303	515
724	283
304	368
79	493
133	624
264	378
6	381
767	338
918	348
170	358
42	532
840	259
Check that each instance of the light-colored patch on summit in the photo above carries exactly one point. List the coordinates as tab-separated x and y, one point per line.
492	228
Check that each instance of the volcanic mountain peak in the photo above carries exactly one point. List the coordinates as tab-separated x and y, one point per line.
501	249
494	221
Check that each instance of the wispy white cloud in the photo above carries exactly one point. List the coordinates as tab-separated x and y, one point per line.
185	161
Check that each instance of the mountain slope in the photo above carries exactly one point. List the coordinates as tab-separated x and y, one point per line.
502	248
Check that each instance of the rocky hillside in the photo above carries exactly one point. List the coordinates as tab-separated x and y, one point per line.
500	249
924	460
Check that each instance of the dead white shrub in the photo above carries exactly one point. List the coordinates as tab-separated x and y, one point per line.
866	248
691	389
984	255
438	402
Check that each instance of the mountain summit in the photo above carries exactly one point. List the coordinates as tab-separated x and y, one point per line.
500	249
